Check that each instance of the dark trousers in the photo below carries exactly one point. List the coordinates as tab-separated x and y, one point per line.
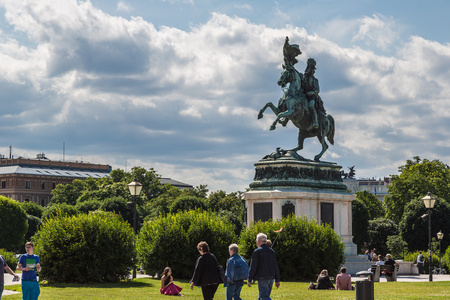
209	291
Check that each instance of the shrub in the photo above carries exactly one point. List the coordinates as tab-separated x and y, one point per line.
172	241
303	248
397	246
412	256
360	222
94	247
13	224
10	258
33	209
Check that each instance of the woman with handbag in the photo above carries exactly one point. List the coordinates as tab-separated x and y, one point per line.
206	274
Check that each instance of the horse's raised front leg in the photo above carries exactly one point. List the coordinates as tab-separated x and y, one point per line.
286	114
324	147
268	104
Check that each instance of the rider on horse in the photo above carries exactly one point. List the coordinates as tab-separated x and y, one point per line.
310	85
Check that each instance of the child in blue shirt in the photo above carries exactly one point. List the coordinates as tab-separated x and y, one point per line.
29	263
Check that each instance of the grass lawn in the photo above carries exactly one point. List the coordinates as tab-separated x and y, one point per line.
147	288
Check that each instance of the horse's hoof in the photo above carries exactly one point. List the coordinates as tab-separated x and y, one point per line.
272	127
260	115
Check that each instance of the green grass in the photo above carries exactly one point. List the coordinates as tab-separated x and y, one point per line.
147	288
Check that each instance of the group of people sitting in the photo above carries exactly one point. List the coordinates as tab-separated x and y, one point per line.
343	281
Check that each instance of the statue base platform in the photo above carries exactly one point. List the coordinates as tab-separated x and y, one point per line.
305	188
287	172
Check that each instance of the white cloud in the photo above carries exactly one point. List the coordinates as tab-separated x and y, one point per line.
187	101
378	31
123	6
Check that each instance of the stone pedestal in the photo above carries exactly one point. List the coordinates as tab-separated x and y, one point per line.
306	188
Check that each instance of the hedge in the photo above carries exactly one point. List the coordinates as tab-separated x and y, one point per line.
94	247
171	241
303	248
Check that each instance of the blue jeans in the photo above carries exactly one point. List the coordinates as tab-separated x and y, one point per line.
234	290
265	288
2	286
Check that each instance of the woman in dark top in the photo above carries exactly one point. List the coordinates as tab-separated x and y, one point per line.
324	282
206	273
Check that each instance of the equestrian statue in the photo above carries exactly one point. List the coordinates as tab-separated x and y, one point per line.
301	104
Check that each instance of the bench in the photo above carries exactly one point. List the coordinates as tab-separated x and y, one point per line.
378	271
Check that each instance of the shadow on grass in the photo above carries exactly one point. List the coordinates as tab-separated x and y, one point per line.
136	283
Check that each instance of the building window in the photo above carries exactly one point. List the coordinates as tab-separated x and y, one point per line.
27	200
27	185
53	185
42	202
3	184
43	185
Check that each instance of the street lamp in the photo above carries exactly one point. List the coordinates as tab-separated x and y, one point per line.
429	200
135	189
440	235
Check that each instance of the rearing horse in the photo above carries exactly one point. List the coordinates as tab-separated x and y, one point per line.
293	106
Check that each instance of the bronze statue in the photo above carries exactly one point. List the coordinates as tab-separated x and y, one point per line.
301	103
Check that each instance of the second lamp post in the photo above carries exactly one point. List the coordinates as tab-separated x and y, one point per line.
429	200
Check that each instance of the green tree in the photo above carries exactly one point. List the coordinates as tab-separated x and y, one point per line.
396	246
33	226
68	193
185	202
53	210
360	222
33	209
374	206
416	179
414	224
13	224
378	231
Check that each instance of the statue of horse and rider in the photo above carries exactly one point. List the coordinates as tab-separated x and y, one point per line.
301	103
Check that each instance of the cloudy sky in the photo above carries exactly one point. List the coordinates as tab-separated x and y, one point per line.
177	84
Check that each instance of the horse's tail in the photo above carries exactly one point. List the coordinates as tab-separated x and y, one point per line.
330	131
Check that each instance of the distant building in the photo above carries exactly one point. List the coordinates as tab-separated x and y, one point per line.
376	187
175	183
33	180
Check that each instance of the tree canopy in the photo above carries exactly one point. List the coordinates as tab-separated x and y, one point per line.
416	179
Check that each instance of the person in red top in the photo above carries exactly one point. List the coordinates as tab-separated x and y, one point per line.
344	280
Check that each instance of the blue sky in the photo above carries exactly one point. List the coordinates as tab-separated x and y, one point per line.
176	85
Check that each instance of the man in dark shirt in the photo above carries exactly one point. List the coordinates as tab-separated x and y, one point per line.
389	261
264	268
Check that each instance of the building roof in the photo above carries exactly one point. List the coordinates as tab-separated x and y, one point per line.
175	183
58	172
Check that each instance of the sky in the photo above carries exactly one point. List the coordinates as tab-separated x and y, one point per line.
176	85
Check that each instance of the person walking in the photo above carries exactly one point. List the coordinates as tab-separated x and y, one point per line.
4	266
420	260
206	273
236	272
29	263
264	268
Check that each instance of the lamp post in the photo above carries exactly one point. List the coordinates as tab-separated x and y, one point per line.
135	189
429	200
440	235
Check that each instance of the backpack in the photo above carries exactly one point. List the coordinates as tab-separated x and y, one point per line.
421	258
240	269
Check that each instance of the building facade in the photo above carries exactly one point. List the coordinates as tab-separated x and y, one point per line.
377	187
33	180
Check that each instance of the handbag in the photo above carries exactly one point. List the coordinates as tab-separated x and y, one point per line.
221	273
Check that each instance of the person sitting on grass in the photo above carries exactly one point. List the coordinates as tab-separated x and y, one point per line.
167	285
344	280
324	282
